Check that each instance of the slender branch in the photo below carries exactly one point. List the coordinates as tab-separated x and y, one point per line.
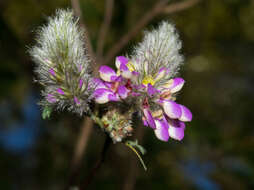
77	11
180	6
79	151
81	144
98	164
87	124
105	26
157	8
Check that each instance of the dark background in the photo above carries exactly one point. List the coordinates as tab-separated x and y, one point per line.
217	151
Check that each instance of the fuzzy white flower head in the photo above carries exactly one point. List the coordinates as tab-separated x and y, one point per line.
159	49
62	65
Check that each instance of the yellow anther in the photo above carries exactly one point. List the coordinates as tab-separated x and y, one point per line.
148	79
130	66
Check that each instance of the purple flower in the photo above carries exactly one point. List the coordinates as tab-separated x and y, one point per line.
126	68
152	92
114	86
170	121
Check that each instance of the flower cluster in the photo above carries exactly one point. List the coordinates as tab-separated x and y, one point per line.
62	65
144	82
114	86
147	80
159	109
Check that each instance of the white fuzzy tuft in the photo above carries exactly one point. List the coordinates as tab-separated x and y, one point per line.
160	48
60	49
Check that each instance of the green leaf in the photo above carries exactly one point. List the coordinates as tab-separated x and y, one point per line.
131	145
136	145
46	112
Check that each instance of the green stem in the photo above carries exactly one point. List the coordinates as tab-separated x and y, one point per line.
138	155
97	120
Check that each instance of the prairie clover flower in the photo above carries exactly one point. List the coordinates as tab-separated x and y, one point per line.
114	86
62	65
145	82
147	78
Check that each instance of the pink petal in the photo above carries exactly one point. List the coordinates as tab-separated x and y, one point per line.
113	97
151	90
186	114
174	85
98	83
162	73
145	122
176	129
135	94
149	118
122	91
52	72
161	130
101	95
171	109
121	60
80	83
51	98
60	91
126	74
107	74
76	100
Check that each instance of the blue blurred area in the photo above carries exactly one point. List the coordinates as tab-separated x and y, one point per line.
198	173
21	135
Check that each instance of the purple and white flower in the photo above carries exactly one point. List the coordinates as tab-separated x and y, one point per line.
116	86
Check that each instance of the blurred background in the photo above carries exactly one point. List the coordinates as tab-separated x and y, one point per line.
217	151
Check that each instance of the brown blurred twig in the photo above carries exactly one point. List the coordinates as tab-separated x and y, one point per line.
105	26
160	7
173	8
77	11
79	150
133	31
98	164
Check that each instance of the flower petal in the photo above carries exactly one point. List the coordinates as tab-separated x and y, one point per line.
125	72
149	118
60	91
139	87
52	72
101	95
51	98
121	60
76	100
98	83
107	73
176	129
162	72
122	91
174	85
161	130
186	114
171	109
151	90
113	97
145	122
135	94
